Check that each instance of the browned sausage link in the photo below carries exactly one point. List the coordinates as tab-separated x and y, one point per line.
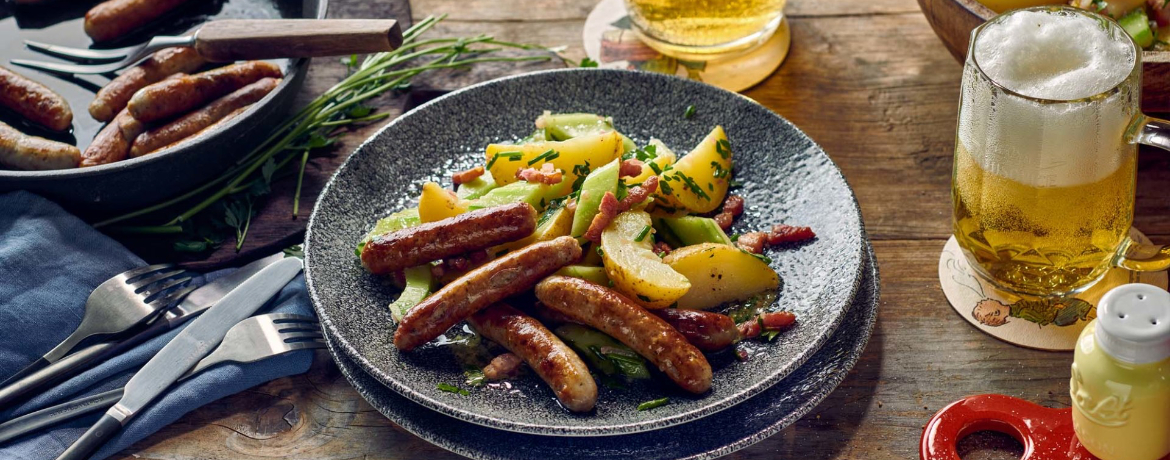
707	331
490	283
470	231
115	18
113	142
235	113
621	318
172	97
196	121
21	151
113	97
546	354
34	101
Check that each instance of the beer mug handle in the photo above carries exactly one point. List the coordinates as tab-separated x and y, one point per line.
1134	255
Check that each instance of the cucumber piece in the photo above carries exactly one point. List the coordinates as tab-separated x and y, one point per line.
696	230
602	352
512	193
477	187
666	234
601	180
392	223
585	272
563	126
1138	26
418	286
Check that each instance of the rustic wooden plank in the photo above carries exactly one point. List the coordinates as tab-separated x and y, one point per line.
922	356
528	11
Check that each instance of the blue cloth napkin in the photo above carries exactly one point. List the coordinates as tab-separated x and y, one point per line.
49	262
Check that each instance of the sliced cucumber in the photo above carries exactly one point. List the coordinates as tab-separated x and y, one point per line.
512	193
392	223
419	282
1138	26
696	230
477	187
601	180
602	352
563	126
585	272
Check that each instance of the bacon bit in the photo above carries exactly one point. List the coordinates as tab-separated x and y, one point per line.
724	220
609	208
749	329
547	174
637	195
502	367
733	205
662	249
752	242
781	234
779	320
464	177
631	168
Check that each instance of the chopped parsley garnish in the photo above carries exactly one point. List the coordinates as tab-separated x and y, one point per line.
653	404
764	258
548	155
691	185
511	156
723	148
580	171
622	190
665	187
452	389
474	376
654	166
600	252
587	62
690	112
642	234
719	171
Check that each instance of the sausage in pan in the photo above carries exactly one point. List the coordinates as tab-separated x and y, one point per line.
113	142
471	231
546	354
21	151
113	97
34	101
115	18
172	97
707	331
194	122
492	282
621	318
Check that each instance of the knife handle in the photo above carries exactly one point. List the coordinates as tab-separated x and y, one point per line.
93	439
37	365
50	416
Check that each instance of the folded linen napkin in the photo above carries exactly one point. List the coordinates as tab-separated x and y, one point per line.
49	262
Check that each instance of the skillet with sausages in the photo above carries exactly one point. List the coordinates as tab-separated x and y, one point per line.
583	256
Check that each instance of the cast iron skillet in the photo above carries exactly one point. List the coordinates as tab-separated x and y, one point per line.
137	182
787	178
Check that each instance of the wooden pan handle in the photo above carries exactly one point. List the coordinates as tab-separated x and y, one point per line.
244	39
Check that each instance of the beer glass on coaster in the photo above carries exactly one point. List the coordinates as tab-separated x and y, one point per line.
1046	162
705	29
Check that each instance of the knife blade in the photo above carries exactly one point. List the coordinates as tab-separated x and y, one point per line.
199	300
184	351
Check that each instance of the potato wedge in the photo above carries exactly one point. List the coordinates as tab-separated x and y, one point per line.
719	273
663	157
504	160
437	203
698	181
634	268
555	223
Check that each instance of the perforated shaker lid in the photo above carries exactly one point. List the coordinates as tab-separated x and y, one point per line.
1133	323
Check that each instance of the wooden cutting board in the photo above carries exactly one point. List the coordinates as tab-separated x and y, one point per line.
274	227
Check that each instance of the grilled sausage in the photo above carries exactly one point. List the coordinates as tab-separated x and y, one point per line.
113	97
172	97
470	231
115	18
546	354
195	122
34	101
707	331
113	142
21	151
621	318
492	282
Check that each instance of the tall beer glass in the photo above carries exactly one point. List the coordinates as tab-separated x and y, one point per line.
1046	155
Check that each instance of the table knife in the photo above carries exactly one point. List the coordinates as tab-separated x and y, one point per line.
183	352
196	302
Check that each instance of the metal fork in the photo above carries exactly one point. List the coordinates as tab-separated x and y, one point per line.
127	300
251	340
237	39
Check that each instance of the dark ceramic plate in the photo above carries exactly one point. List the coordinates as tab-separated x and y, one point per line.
152	178
786	176
740	426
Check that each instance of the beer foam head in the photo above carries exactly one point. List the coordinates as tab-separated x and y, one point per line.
1058	55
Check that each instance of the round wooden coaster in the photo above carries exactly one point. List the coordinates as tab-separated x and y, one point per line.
611	41
1043	323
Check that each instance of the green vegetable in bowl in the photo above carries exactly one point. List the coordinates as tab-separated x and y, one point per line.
601	180
419	282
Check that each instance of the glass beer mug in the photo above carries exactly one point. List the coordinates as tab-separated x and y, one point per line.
705	29
1046	154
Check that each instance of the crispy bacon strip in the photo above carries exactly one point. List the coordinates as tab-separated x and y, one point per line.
752	242
547	174
610	207
788	234
463	177
502	367
732	208
631	168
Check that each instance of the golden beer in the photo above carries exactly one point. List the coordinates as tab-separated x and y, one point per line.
701	27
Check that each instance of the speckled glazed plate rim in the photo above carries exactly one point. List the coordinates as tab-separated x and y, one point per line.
446	432
608	429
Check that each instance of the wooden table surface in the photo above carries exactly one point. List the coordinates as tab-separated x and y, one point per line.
872	84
